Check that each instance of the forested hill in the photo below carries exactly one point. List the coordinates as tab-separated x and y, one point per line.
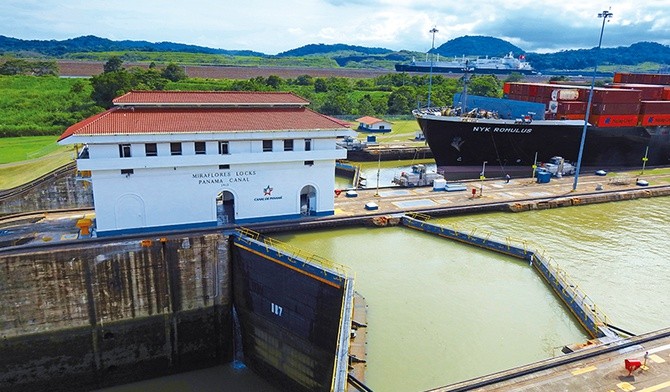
477	46
641	52
313	49
91	43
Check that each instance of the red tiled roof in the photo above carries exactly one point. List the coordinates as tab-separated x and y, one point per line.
368	120
224	98
157	120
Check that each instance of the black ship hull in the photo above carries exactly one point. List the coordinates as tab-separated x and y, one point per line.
462	145
438	69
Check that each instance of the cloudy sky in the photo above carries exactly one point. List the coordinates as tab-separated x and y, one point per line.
273	26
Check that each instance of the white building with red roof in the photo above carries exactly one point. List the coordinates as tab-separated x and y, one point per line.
373	124
162	160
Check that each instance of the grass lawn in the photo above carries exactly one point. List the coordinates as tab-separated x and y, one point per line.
23	159
15	149
403	131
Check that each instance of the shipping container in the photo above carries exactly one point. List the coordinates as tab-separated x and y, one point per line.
654	119
615	108
614	120
575	107
655	107
608	95
650	92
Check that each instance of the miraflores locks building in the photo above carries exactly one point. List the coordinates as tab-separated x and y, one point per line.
172	160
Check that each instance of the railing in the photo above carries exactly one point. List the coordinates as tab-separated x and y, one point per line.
583	307
294	252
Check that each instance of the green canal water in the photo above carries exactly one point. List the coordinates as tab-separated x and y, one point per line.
442	312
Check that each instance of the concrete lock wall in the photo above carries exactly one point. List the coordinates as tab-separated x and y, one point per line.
90	315
290	314
57	190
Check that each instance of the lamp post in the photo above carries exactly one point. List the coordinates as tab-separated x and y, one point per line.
430	75
604	15
482	177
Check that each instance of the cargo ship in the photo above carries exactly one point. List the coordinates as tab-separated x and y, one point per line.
486	65
628	126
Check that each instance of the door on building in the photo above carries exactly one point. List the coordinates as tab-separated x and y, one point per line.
308	200
129	212
225	208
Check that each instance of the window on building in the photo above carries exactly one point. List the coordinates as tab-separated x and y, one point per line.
288	145
267	145
200	148
308	144
309	163
127	172
151	150
175	148
124	150
223	148
224	167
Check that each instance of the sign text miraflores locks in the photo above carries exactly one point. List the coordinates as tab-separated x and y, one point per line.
224	178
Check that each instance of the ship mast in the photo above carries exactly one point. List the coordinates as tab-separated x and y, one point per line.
430	77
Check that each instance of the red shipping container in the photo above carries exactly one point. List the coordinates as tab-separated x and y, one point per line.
655	107
569	116
650	120
666	94
650	92
506	88
575	107
610	95
615	108
614	120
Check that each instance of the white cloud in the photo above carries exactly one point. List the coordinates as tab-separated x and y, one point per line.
272	27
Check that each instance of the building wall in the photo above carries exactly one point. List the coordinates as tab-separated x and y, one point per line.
95	314
144	193
179	196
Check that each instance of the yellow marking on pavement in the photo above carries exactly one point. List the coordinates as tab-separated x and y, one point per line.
656	358
587	369
656	387
624	386
339	211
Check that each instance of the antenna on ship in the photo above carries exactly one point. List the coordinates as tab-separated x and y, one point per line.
430	77
604	15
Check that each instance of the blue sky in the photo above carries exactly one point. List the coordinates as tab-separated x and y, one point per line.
276	26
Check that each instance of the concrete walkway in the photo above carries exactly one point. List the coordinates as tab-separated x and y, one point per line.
398	200
598	369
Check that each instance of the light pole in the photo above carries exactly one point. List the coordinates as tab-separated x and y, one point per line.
482	177
430	75
605	15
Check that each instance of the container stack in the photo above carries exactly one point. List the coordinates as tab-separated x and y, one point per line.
631	100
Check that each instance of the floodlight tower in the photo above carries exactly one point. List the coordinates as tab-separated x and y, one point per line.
605	15
430	75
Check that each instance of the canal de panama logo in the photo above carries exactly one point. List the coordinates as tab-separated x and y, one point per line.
267	195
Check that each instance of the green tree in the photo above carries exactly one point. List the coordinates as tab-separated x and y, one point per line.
274	82
486	86
14	67
320	85
304	80
109	85
114	64
336	104
402	100
173	72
